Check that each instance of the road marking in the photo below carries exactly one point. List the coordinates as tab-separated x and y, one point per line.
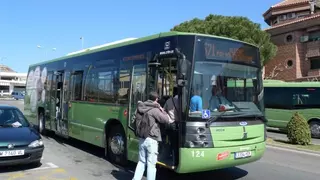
16	176
49	166
295	151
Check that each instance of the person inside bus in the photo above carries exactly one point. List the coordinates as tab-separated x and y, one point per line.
217	98
217	95
171	107
196	101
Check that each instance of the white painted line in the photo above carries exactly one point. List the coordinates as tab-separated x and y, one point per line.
52	165
49	166
294	151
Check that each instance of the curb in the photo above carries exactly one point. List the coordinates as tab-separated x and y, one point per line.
293	148
7	99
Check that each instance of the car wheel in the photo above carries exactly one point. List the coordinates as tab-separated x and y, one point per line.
315	129
116	146
41	123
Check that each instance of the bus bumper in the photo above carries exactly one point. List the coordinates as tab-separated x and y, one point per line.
206	159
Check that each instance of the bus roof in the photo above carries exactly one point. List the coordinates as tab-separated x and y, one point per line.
279	83
133	41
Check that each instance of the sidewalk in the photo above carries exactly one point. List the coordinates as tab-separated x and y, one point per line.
6	98
276	135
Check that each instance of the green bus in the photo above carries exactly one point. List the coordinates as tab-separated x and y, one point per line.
282	99
92	95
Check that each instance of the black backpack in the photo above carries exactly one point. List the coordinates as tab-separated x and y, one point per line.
142	124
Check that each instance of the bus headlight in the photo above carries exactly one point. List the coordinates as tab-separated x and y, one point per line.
198	136
190	144
201	130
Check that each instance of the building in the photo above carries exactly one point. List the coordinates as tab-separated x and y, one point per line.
11	81
295	30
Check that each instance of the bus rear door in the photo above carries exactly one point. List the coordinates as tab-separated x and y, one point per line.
62	100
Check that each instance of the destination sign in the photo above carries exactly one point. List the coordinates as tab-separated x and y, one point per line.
135	57
230	51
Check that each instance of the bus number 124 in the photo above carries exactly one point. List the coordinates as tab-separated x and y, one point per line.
197	154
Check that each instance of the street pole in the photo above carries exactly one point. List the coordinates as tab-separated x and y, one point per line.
82	42
46	50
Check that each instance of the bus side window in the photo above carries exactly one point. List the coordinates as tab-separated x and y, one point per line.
91	93
76	85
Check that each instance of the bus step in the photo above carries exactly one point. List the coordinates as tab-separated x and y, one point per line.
165	165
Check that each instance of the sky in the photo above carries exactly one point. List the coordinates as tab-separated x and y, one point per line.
59	24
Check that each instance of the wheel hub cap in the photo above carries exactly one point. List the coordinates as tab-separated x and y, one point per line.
315	129
117	144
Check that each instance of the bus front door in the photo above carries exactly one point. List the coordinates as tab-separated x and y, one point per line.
135	93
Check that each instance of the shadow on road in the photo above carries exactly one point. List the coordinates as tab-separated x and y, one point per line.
83	146
124	173
164	174
9	169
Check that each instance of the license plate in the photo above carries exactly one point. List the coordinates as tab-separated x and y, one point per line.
11	153
245	154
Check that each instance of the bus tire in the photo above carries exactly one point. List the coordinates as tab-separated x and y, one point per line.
116	148
41	123
315	129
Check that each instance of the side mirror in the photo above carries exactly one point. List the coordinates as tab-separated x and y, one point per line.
183	63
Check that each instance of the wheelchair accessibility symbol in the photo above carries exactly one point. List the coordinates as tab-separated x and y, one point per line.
205	114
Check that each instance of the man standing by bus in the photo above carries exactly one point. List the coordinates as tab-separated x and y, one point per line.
148	147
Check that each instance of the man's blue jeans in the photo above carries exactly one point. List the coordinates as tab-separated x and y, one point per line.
148	155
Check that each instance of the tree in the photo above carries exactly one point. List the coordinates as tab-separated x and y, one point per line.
235	27
298	130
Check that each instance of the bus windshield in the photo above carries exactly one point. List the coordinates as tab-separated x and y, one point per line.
234	86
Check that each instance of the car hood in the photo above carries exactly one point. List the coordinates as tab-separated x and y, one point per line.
18	136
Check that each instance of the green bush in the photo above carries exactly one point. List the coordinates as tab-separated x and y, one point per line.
298	130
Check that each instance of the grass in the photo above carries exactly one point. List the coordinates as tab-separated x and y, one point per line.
283	143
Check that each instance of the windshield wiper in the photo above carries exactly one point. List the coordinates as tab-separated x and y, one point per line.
212	119
248	115
245	115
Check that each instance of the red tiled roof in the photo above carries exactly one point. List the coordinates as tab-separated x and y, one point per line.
295	21
289	2
286	3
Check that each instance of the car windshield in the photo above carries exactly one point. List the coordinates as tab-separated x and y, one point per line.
12	118
233	86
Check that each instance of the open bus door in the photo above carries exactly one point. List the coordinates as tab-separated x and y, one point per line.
65	104
61	104
137	92
170	70
166	74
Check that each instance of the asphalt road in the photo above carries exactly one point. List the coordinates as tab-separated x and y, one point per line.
72	160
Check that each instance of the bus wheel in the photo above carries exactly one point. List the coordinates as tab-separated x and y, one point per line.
41	123
315	129
117	145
